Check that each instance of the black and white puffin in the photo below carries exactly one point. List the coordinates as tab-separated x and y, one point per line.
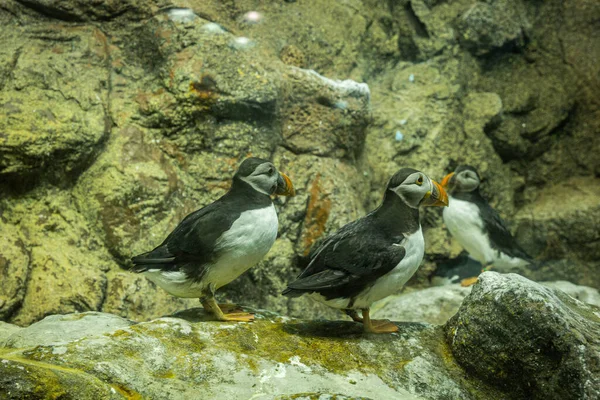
477	226
217	243
372	257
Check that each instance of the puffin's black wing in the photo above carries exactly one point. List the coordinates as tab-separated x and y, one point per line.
500	236
348	261
192	242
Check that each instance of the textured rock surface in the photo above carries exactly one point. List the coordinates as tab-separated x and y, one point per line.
585	294
434	305
437	304
123	116
527	338
181	356
571	230
55	102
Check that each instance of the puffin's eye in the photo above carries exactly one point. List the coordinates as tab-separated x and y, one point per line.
419	181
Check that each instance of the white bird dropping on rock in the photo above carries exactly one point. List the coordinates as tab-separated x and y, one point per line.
252	17
242	43
213	28
183	15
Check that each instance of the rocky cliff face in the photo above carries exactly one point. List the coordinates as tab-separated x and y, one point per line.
119	118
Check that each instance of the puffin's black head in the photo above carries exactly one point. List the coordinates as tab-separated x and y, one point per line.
263	177
415	189
464	179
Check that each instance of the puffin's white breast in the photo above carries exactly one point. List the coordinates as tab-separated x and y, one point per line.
247	241
464	222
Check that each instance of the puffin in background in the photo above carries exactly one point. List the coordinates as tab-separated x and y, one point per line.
214	245
477	226
374	256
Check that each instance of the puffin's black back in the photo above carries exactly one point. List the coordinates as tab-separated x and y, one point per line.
348	261
362	251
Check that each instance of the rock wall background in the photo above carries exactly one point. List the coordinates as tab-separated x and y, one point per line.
119	118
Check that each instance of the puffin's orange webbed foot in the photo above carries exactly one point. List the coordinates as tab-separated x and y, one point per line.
238	317
228	308
210	306
377	325
469	281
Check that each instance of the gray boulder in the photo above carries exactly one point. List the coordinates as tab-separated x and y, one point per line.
532	341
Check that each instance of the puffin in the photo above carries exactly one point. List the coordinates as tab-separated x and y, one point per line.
374	256
217	243
477	226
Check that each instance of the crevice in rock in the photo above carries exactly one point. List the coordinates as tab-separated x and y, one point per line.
11	67
14	311
415	22
49	11
63	15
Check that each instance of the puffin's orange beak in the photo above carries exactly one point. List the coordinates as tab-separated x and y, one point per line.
438	197
285	186
446	179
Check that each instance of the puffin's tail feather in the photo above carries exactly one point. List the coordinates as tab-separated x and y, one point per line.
151	260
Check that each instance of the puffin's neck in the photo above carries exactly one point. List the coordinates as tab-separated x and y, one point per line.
241	189
473	196
395	216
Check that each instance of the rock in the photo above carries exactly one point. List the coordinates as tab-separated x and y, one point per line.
81	10
324	117
569	231
533	341
585	294
15	267
7	330
65	264
433	305
488	26
210	105
57	330
65	68
535	106
184	356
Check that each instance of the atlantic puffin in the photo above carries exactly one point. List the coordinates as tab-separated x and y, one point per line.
217	243
477	226
374	256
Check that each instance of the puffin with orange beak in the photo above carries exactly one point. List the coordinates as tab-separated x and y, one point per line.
477	226
374	256
215	244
